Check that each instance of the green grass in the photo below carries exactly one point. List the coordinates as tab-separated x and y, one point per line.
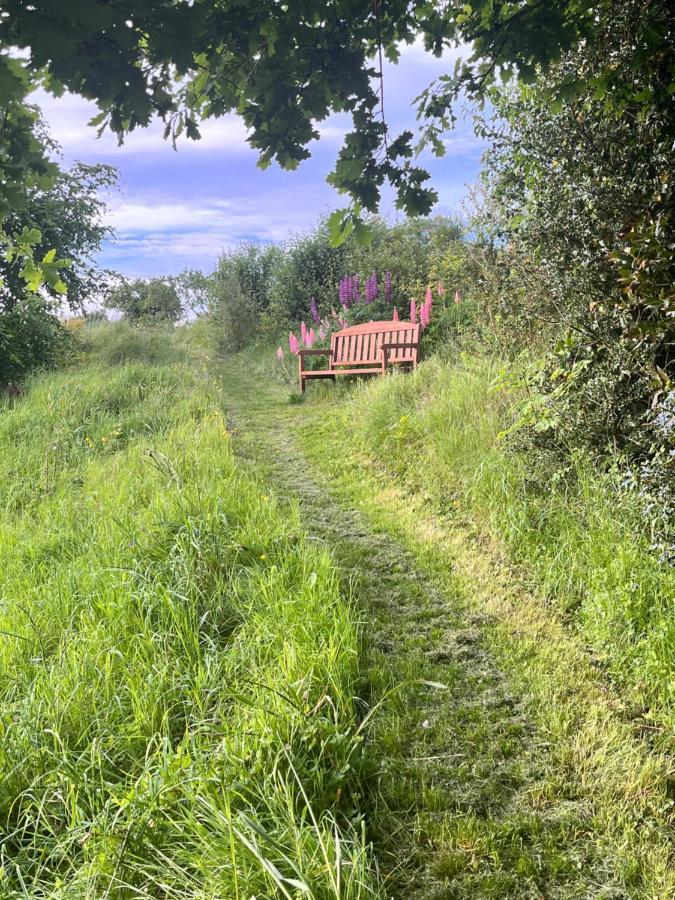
524	776
574	800
178	662
580	540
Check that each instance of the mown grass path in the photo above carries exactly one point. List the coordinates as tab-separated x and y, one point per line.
467	793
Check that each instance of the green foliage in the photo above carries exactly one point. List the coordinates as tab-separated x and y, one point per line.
30	337
65	219
146	300
186	62
310	267
238	295
178	662
580	211
259	293
407	249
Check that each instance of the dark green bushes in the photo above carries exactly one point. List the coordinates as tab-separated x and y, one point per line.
30	337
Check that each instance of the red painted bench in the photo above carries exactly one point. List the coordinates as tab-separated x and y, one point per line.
367	349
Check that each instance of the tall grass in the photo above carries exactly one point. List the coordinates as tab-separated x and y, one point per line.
177	660
581	538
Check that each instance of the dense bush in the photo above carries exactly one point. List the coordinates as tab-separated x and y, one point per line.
260	293
238	295
30	337
580	215
146	300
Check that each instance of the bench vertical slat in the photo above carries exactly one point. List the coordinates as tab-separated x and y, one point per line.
340	348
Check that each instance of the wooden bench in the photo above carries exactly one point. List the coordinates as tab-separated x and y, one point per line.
367	349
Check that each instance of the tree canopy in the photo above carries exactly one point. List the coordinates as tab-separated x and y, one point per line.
154	300
283	67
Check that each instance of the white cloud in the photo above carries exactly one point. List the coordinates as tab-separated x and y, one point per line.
464	144
69	116
156	235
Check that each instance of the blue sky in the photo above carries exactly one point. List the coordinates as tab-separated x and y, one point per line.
179	209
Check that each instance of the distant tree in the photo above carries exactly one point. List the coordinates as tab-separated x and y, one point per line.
150	300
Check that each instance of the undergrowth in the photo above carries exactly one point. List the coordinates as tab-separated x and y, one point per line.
177	660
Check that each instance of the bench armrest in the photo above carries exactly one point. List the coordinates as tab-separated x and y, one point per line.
327	352
401	346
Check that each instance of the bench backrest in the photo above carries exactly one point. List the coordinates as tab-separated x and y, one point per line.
362	344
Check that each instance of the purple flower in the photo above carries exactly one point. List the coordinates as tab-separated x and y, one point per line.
314	311
387	286
346	292
371	288
356	288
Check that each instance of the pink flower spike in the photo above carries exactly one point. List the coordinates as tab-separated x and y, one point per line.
322	334
428	296
395	316
280	354
440	289
303	331
457	297
425	314
310	337
293	344
413	311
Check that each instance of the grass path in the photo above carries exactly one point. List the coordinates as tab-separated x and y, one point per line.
514	779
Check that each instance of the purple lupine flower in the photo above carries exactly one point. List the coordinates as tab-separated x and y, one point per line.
387	286
314	311
413	311
371	288
356	288
346	292
293	344
280	354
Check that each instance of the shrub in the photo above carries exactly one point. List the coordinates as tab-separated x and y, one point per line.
31	337
154	299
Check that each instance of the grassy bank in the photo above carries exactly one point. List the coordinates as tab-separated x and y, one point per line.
580	541
177	660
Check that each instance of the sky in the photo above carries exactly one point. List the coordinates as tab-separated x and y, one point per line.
178	209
